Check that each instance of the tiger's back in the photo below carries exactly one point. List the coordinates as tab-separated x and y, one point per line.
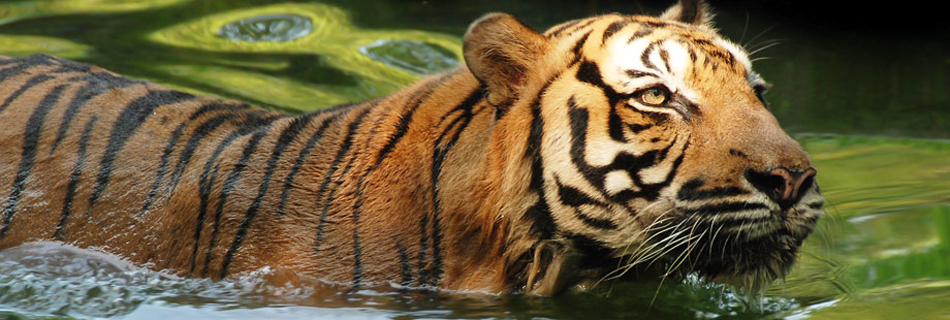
207	187
90	140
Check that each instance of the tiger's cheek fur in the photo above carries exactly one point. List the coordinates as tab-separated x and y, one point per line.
605	163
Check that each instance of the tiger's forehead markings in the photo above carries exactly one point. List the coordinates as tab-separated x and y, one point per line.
638	62
642	53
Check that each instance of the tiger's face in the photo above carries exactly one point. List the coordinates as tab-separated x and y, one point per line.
662	148
658	150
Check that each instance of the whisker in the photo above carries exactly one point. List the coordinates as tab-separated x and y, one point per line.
715	235
640	256
745	27
677	263
760	49
761	33
625	265
650	252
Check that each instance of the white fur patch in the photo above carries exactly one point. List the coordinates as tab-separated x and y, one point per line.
616	181
669	72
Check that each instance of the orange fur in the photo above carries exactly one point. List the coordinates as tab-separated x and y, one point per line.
533	168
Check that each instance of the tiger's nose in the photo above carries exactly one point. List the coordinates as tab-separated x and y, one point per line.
783	186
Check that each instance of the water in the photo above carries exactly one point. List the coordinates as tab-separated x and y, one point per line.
276	27
883	250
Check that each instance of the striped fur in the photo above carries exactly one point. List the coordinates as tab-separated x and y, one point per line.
604	145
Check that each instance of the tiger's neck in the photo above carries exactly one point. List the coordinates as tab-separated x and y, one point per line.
486	207
422	188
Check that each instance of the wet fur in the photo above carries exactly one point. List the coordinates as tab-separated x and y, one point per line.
450	183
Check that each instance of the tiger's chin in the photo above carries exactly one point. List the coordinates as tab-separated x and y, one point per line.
752	265
749	258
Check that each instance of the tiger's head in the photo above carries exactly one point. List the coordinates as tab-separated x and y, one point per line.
651	144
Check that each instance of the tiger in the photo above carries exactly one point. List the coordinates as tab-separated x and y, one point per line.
613	147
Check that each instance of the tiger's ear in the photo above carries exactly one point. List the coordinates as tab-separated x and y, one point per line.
692	12
502	53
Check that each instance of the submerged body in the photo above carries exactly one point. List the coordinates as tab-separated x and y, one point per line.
548	160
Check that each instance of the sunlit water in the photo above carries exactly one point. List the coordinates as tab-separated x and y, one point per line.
881	252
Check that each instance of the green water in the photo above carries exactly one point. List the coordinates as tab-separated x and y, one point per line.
881	252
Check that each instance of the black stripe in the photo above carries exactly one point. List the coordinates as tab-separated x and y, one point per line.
8	60
639	74
595	222
357	259
656	24
587	22
596	252
358	204
589	72
579	119
651	192
31	138
424	276
579	46
643	31
404	263
726	222
645	56
334	165
539	214
299	161
97	84
637	128
690	191
665	56
624	161
725	207
423	249
169	148
74	178
162	167
26	86
229	183
403	126
26	63
438	157
612	29
725	56
575	198
250	122
287	136
132	116
201	132
693	56
566	25
205	184
615	125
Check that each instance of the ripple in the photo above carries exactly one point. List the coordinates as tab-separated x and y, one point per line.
272	27
413	56
304	74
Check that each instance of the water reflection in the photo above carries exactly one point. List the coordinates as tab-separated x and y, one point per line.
273	27
412	56
323	68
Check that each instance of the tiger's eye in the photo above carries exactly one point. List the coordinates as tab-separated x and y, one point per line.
654	96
